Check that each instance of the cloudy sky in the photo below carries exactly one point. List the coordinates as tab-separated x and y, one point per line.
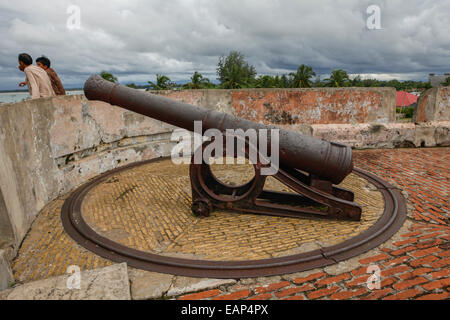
136	39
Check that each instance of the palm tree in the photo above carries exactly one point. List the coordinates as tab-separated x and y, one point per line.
266	81
338	78
301	79
162	83
235	78
198	82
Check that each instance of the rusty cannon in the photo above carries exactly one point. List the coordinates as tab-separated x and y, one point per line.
311	168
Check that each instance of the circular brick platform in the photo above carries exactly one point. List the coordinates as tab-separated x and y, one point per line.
141	214
148	208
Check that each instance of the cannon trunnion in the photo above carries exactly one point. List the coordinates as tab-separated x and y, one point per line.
310	167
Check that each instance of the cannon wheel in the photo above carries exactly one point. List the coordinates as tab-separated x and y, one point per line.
314	198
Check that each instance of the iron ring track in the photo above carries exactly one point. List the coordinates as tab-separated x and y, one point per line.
387	225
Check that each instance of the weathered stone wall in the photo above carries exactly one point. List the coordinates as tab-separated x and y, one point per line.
389	135
49	146
434	105
298	106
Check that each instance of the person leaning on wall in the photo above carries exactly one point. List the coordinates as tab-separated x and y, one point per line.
39	84
44	63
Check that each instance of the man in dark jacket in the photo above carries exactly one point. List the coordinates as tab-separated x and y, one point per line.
57	86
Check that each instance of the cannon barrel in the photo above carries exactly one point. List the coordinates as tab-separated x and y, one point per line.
326	160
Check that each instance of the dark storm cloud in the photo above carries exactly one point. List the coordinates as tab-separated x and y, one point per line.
137	39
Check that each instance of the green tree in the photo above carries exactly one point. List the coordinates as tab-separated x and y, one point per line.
394	83
284	82
371	83
162	83
302	78
266	81
131	85
357	81
198	82
234	72
108	76
338	78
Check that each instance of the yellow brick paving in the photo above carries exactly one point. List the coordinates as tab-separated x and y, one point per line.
148	208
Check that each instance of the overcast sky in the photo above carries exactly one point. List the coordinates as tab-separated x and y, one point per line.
136	39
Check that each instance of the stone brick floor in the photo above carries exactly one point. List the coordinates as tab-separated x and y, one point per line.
414	265
422	173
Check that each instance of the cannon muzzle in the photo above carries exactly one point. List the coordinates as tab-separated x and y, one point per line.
325	160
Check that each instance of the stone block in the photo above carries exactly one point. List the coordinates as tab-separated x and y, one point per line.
109	283
149	285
